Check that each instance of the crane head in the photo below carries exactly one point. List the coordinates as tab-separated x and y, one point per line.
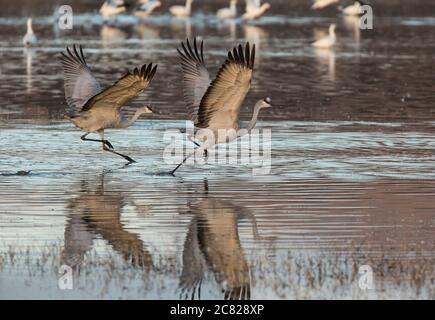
146	109
266	102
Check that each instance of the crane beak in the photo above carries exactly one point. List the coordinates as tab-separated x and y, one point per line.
151	110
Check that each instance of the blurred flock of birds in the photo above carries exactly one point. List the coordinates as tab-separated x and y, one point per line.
254	9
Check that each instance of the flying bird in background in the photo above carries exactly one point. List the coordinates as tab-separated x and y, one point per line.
254	9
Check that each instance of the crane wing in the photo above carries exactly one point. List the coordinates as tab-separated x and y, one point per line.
196	78
221	103
126	88
79	83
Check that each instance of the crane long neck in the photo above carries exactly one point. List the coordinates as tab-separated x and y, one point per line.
253	121
127	123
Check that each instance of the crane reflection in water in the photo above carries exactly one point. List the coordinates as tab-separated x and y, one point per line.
95	214
213	244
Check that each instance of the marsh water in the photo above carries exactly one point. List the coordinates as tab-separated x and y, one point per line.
351	181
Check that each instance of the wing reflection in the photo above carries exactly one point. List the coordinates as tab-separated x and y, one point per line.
213	244
95	214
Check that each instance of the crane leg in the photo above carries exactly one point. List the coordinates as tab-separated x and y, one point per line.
106	142
199	149
130	160
105	148
205	151
179	165
191	138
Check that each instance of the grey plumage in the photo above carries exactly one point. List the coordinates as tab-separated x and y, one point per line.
217	107
220	106
92	109
126	88
196	78
79	83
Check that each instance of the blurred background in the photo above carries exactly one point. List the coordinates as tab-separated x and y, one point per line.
380	74
424	8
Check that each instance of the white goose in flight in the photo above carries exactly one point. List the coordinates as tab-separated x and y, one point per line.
93	109
215	105
353	9
29	39
228	13
320	4
111	8
182	11
255	9
327	41
146	7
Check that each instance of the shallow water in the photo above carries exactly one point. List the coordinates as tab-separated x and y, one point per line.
335	195
351	181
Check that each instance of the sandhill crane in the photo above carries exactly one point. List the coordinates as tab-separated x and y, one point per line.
95	213
93	109
353	9
182	11
146	7
327	41
254	9
320	4
228	13
216	105
111	8
29	39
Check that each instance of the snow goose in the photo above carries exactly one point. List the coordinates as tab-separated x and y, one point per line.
228	13
327	41
111	8
254	9
182	11
320	4
353	9
29	39
146	7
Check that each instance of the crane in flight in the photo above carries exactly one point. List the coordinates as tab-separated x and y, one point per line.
92	109
215	105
